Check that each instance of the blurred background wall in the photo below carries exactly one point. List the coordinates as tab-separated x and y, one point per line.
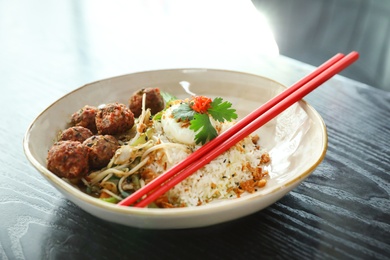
314	30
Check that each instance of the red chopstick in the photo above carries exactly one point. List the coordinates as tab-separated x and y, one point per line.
240	130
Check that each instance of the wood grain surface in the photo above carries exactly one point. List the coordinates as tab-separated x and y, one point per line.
341	211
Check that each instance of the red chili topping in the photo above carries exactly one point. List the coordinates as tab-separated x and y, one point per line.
200	104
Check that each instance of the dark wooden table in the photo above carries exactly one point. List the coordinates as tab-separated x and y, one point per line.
47	49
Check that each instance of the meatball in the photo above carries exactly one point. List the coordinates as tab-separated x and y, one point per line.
102	149
153	100
113	119
68	159
75	133
85	117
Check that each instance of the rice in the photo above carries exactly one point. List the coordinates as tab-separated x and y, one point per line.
222	178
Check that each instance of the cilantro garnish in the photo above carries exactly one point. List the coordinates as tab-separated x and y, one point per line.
167	97
222	111
198	111
203	128
184	112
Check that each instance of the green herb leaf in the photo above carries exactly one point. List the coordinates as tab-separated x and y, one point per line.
203	128
110	200
157	117
167	97
184	112
222	111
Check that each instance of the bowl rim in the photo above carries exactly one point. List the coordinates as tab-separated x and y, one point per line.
66	187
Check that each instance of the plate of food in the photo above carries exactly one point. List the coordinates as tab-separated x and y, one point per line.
104	141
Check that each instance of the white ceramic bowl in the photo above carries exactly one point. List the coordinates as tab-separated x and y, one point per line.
296	140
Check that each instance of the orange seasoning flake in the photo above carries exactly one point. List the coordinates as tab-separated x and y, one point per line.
200	104
248	186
